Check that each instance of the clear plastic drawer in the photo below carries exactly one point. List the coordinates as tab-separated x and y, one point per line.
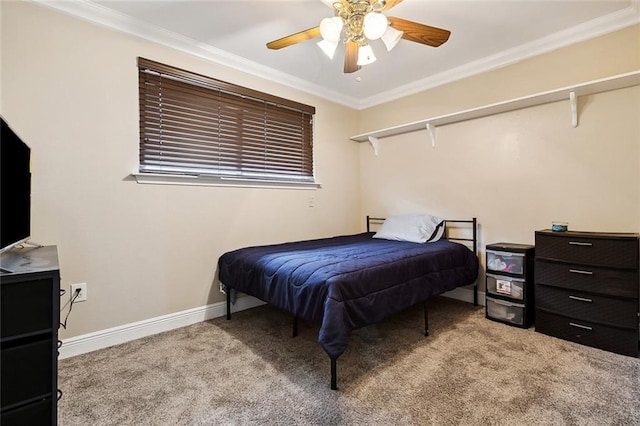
505	286
502	310
500	261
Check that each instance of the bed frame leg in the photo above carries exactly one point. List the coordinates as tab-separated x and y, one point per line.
228	303
475	251
426	319
295	326
475	294
334	379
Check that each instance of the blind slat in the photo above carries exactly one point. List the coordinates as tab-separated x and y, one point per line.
190	123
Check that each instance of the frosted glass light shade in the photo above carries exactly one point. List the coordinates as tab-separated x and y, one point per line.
375	24
391	37
365	55
328	47
330	28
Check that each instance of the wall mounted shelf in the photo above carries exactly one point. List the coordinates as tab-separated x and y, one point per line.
570	93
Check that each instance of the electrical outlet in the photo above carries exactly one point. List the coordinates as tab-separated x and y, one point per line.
82	296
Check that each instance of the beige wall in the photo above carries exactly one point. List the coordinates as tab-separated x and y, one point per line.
521	170
70	89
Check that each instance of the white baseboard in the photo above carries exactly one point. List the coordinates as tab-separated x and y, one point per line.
114	336
465	295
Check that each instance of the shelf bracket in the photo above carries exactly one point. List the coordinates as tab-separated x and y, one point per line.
573	99
373	141
432	132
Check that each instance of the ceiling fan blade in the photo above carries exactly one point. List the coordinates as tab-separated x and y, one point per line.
420	33
391	3
351	57
294	38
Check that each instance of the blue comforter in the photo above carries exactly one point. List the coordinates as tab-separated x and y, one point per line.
347	282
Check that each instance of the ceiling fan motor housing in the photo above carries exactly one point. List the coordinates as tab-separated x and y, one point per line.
353	14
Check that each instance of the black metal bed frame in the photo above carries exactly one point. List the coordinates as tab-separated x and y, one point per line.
370	219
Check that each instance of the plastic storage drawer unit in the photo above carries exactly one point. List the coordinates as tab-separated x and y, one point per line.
509	281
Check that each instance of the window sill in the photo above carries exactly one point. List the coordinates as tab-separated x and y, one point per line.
191	180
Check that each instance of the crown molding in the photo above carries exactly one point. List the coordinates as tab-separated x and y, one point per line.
100	15
105	17
591	29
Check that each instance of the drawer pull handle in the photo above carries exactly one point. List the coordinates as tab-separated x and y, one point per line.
585	327
578	271
581	299
578	243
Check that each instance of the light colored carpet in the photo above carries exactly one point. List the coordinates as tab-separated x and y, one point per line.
469	371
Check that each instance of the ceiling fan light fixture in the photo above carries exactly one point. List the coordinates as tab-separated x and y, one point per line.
391	37
375	24
365	55
328	47
355	23
330	28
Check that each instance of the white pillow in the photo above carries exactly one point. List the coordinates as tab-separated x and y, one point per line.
414	228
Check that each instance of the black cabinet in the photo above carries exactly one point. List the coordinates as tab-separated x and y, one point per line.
509	280
587	288
29	320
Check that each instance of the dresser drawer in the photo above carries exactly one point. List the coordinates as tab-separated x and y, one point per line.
612	339
613	282
37	413
26	372
588	307
27	308
581	248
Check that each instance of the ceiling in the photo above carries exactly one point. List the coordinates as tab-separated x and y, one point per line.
484	35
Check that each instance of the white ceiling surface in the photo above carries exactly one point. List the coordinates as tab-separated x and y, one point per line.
484	35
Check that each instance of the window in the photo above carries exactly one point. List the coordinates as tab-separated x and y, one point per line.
191	124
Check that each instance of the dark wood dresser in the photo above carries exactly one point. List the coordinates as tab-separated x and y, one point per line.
29	320
587	287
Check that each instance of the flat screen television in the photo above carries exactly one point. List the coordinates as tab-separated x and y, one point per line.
15	189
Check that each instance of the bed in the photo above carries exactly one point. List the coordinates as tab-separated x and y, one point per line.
350	281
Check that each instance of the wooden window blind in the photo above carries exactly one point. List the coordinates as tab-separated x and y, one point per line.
197	125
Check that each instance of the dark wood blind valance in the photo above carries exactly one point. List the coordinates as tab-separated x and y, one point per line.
193	124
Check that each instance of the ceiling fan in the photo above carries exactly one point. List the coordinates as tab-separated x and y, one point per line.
362	21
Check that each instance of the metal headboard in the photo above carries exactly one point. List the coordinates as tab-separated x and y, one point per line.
473	240
473	222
